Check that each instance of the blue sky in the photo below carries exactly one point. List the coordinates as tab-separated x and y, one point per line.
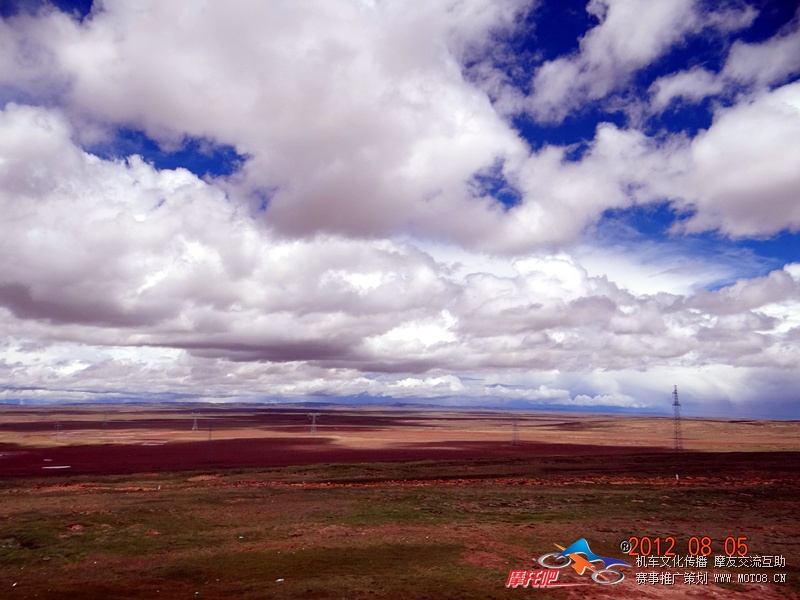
516	202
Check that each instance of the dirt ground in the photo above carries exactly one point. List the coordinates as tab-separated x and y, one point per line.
380	503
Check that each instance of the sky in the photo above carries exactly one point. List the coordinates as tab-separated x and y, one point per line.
514	203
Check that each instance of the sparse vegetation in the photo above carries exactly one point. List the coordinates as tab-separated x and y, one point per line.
445	528
234	535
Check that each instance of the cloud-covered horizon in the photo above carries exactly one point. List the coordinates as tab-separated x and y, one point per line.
425	203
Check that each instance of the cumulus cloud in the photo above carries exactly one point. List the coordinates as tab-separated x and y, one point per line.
743	178
630	35
754	66
692	85
355	117
356	251
357	120
103	257
620	167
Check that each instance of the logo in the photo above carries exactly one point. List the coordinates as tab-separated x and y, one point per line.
580	557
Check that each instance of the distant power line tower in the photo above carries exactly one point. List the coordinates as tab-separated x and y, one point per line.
515	432
194	422
313	417
58	430
677	407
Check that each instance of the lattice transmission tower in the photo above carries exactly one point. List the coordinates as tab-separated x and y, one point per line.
676	405
515	432
313	417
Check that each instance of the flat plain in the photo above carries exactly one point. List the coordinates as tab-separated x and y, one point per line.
221	501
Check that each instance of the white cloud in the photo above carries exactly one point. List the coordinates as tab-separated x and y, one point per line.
693	85
356	118
767	63
744	177
752	66
631	34
217	305
620	167
376	267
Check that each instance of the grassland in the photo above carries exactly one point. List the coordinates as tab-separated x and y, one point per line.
436	528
